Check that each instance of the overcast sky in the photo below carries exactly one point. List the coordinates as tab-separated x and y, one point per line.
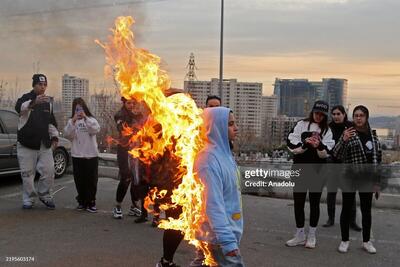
264	39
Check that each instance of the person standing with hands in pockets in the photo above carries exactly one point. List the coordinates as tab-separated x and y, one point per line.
81	129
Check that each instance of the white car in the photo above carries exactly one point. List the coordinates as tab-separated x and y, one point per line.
8	147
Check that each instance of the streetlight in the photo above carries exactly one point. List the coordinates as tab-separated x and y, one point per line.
221	51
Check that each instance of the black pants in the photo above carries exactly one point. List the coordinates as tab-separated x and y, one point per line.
331	206
126	176
86	177
345	216
299	202
171	238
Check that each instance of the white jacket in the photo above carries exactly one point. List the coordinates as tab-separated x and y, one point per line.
82	133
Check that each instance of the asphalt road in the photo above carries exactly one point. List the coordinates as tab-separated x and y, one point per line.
66	237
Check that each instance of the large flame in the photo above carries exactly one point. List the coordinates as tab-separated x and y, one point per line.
173	127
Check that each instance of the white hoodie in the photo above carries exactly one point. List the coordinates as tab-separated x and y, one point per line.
82	133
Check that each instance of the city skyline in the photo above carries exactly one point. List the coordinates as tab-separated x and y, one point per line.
264	40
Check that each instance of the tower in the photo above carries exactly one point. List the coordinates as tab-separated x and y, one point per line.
191	74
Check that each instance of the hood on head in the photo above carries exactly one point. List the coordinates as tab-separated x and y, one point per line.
216	127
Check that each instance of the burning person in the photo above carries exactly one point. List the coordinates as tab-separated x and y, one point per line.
216	167
128	116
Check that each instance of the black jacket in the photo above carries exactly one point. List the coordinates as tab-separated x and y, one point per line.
337	131
125	118
36	129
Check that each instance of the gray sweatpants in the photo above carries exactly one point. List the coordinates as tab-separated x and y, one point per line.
30	161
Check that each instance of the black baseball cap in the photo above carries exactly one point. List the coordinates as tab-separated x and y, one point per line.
321	106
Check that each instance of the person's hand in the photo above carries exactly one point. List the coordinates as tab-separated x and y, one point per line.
348	133
75	118
42	99
233	253
315	142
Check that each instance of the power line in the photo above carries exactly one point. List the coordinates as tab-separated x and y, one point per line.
80	8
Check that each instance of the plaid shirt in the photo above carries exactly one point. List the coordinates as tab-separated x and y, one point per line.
353	152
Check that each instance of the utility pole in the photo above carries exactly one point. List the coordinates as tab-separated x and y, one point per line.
221	51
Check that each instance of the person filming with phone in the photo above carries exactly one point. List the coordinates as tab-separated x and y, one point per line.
37	135
360	149
81	129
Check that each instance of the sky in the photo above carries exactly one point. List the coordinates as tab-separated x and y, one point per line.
263	39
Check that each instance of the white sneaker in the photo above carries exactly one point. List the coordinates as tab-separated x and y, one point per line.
134	211
369	247
117	213
311	241
299	239
344	246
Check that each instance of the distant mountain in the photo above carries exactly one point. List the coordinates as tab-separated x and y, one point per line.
385	122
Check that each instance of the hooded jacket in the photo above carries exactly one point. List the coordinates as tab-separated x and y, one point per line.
218	171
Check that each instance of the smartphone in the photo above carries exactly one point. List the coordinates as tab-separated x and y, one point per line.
78	110
349	125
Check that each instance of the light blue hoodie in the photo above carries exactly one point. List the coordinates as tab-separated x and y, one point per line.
218	171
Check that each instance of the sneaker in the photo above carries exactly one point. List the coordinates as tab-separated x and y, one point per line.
134	211
344	246
141	220
49	203
165	263
369	247
299	239
92	209
328	223
27	206
311	241
355	227
80	207
117	213
156	221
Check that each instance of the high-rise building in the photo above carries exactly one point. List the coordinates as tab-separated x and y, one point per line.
295	96
73	87
277	129
319	90
244	98
335	91
269	109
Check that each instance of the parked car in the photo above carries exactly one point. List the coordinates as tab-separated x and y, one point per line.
8	147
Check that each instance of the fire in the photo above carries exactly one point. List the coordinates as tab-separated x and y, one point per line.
173	127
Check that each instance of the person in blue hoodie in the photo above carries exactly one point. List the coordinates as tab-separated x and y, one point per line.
216	167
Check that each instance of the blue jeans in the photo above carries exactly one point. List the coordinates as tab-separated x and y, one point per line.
221	259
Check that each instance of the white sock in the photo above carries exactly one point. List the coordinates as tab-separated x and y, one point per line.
300	231
312	230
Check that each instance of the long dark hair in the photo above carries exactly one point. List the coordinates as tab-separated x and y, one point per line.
323	125
342	110
81	102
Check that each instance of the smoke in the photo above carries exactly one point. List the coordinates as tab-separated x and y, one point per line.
58	36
